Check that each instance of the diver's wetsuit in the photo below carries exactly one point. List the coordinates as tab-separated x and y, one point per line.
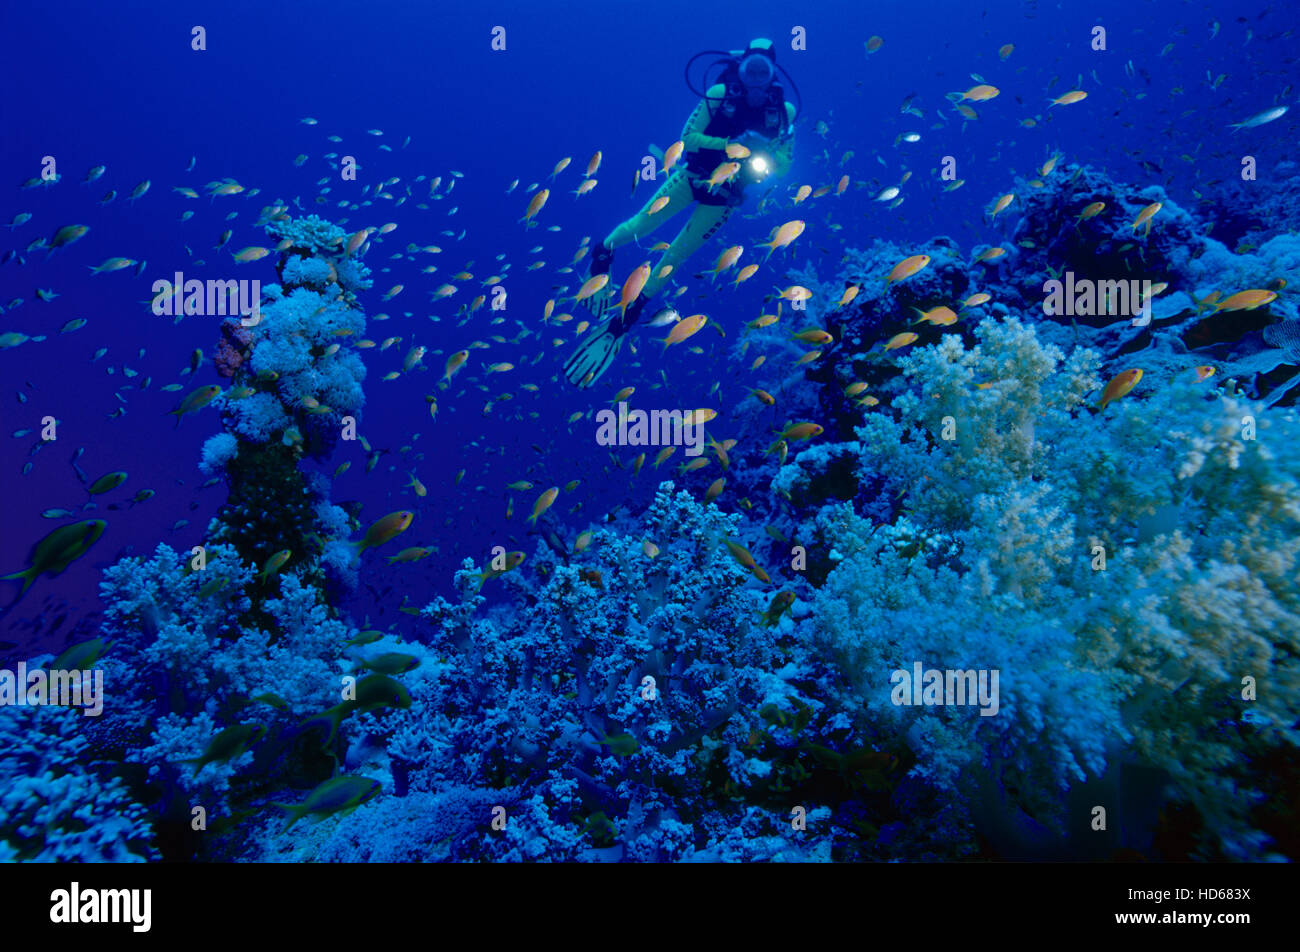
705	139
716	121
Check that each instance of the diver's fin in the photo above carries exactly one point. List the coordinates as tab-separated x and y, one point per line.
594	355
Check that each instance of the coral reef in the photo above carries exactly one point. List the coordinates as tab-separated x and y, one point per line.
696	684
296	378
232	349
55	806
1196	521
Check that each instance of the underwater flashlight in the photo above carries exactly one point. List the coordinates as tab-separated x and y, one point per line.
756	168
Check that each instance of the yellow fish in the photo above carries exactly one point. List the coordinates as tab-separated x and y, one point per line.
743	556
1119	387
1091	210
724	173
385	529
981	93
454	363
727	259
939	316
784	235
275	563
1144	217
535	206
1073	96
684	329
1246	300
907	267
633	285
544	502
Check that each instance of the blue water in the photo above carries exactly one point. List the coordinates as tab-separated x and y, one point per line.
90	85
93	83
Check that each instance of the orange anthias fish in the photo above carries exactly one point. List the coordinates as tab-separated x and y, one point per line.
590	287
724	173
1144	217
901	340
513	561
797	431
454	363
1095	208
535	206
939	316
907	267
544	502
1073	96
981	93
389	527
1118	387
672	154
780	603
743	556
275	563
1246	300
784	235
802	431
727	259
196	401
684	329
633	285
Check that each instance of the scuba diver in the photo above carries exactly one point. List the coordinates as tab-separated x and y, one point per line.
745	106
